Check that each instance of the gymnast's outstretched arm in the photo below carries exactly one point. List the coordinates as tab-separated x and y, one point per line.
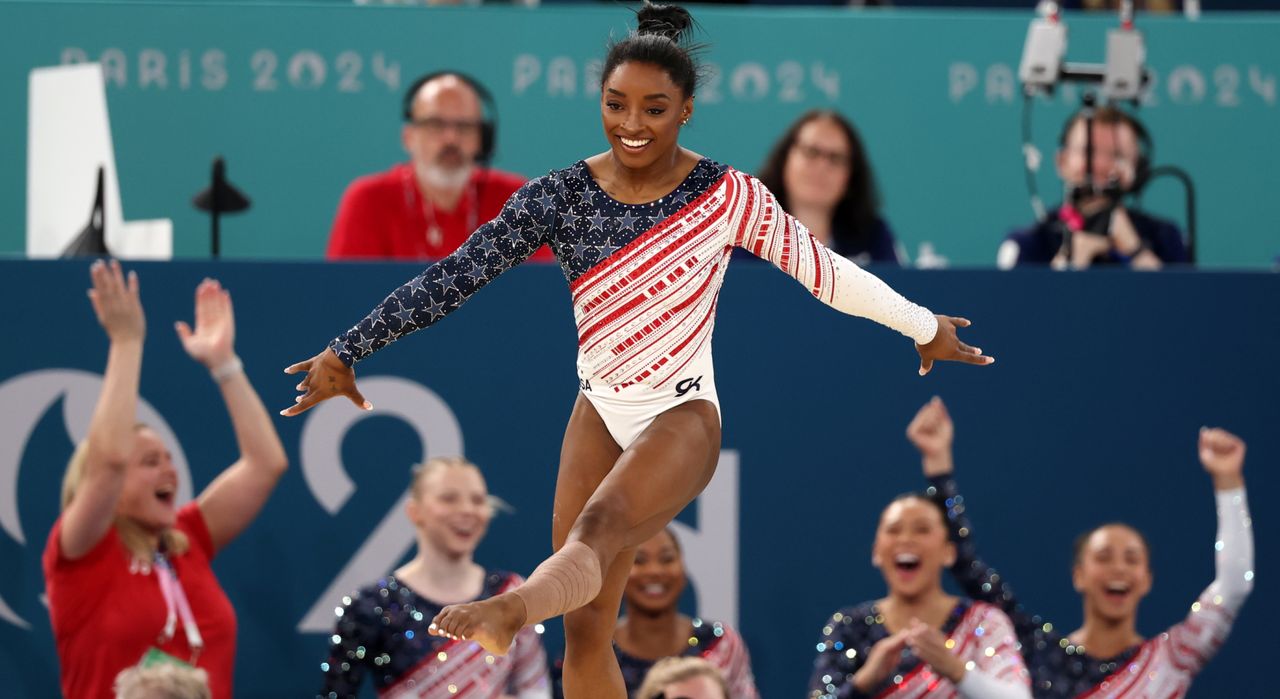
773	234
525	223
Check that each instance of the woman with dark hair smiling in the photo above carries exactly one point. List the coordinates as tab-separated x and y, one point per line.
1106	658
652	627
820	173
643	232
917	640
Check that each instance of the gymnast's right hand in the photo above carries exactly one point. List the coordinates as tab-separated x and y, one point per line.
326	377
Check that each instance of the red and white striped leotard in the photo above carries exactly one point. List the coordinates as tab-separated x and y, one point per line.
645	280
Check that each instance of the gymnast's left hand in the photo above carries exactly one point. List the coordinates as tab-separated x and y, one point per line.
326	377
947	347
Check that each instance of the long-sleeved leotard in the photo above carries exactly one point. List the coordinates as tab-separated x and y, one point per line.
644	278
1160	668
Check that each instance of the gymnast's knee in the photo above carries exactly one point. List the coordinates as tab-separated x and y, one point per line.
603	526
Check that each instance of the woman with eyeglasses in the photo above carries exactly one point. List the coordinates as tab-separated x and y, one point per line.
1106	658
820	173
644	232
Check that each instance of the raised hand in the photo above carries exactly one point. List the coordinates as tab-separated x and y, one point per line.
326	377
1222	455
116	302
881	660
947	347
212	343
929	645
931	431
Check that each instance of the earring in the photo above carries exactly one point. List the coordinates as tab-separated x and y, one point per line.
684	121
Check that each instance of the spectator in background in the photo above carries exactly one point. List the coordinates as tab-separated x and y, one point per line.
820	174
425	208
684	678
126	568
1103	231
1111	569
382	631
652	628
163	681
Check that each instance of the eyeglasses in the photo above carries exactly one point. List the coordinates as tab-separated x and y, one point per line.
438	125
832	157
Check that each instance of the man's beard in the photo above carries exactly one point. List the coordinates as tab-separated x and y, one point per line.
438	176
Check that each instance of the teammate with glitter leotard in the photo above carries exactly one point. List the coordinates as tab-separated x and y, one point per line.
382	631
918	640
643	233
1106	658
652	627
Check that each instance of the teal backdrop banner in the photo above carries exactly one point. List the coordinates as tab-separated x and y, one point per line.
302	98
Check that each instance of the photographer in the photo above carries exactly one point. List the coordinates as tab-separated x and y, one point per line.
1095	227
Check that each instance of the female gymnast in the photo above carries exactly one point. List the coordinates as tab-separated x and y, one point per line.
1106	658
653	627
918	640
642	232
382	631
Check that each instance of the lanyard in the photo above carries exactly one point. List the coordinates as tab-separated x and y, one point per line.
434	233
177	605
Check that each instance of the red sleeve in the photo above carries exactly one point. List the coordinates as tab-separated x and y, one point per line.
54	560
74	586
359	230
191	522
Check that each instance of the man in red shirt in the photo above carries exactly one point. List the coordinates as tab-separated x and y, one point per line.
425	208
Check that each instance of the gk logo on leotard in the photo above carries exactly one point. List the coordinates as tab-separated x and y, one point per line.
688	385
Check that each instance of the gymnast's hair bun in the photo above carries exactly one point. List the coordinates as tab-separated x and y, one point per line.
671	21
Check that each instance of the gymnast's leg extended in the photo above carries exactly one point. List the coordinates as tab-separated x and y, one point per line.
608	501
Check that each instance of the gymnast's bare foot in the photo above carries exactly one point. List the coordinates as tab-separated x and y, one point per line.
492	623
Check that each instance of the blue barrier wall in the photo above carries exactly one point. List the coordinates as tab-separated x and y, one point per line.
303	98
1089	415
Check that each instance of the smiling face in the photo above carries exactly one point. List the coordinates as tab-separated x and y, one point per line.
657	576
150	484
449	506
912	547
1112	573
641	110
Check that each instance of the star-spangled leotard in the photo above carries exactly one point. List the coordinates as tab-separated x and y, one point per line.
644	277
